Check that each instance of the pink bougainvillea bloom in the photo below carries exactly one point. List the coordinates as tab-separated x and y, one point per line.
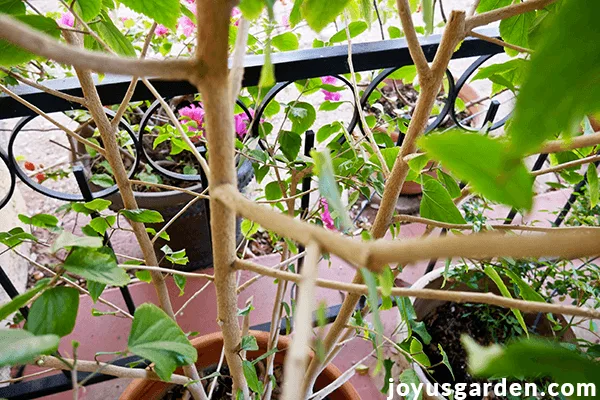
67	19
329	80
236	14
326	216
285	21
331	96
195	114
161	30
187	25
191	1
241	124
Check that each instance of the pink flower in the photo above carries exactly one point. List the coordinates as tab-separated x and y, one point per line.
124	19
331	96
285	21
326	216
241	124
190	1
67	19
236	14
187	25
161	30
195	114
329	80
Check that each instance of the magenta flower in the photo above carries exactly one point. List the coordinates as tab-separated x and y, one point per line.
195	114
329	80
285	21
241	124
161	30
191	1
67	19
187	25
236	14
331	96
326	216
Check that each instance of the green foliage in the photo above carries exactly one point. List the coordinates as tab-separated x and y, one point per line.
482	163
99	265
489	5
437	203
12	55
54	312
95	289
142	215
285	42
12	7
20	347
164	12
156	337
21	300
491	272
373	298
67	240
355	28
87	9
532	358
515	30
410	378
112	36
592	180
290	143
428	15
254	383
39	220
571	42
319	14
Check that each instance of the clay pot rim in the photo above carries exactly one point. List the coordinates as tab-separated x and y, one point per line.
140	387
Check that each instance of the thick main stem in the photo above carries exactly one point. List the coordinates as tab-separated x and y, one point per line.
213	34
109	139
453	33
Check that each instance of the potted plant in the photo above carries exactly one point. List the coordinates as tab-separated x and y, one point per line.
492	167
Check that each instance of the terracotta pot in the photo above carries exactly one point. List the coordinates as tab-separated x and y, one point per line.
209	351
424	307
467	94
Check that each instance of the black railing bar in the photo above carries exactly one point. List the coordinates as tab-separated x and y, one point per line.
289	66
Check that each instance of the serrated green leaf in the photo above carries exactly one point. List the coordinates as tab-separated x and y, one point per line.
156	337
99	265
54	312
20	347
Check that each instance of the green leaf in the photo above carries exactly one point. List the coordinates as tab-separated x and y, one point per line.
355	28
249	228
144	276
112	36
508	74
592	180
428	14
286	41
329	105
303	116
21	347
102	180
54	312
489	5
273	191
143	215
449	183
156	337
249	343
164	12
95	289
13	55
97	205
99	265
389	156
250	374
88	9
373	298
290	143
533	358
12	7
491	272
571	39
21	300
39	220
102	224
15	237
445	360
66	239
319	13
327	130
180	281
251	9
437	204
295	15
515	30
526	291
416	351
328	187
410	378
498	179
